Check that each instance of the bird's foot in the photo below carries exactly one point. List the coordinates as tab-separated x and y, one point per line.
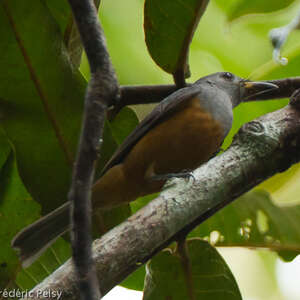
186	175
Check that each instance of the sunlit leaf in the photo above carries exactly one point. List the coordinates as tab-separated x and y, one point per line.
254	221
239	8
123	124
135	280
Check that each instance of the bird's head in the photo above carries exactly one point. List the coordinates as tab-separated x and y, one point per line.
237	88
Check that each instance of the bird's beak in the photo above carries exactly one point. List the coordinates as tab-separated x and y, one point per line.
251	90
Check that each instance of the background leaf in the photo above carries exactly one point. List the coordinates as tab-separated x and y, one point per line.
169	27
43	129
212	279
123	124
51	259
17	209
238	8
254	221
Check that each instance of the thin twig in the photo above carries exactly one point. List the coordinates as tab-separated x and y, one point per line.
102	92
278	37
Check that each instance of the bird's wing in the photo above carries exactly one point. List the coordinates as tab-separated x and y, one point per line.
158	114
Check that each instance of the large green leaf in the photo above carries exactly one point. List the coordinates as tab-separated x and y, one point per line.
254	221
5	148
169	27
211	278
239	8
61	12
41	99
17	209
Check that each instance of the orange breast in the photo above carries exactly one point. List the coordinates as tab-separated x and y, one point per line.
183	142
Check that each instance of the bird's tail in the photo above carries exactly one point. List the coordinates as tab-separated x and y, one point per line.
34	239
111	190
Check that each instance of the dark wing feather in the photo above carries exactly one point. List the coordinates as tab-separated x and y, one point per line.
158	114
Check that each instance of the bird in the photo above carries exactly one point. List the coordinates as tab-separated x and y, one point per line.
181	133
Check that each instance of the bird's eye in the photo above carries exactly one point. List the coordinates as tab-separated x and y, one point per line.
228	76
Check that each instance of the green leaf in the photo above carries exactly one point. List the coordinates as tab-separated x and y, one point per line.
17	209
5	148
60	10
42	116
211	277
135	280
123	124
254	221
273	70
169	27
41	99
142	201
55	256
239	8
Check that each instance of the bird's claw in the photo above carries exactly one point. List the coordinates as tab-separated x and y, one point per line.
185	175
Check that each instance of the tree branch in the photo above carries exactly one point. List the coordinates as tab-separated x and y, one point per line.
278	37
102	92
145	94
262	148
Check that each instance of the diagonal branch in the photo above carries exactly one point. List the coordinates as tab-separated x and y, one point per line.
258	152
102	92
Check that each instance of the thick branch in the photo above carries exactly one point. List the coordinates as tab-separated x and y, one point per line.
262	148
101	92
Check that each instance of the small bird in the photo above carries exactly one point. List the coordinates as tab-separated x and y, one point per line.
182	132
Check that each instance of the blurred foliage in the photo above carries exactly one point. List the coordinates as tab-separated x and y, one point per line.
238	8
254	221
41	102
